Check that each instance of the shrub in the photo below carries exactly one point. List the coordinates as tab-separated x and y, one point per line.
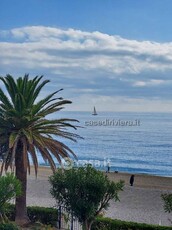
48	216
10	187
84	191
8	226
167	198
110	224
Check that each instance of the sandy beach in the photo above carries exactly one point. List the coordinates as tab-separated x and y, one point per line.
140	203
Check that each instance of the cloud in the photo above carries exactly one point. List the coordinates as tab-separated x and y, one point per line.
53	48
92	62
152	82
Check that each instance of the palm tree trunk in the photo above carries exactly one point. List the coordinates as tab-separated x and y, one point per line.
21	217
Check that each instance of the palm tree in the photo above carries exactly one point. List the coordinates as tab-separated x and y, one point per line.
26	130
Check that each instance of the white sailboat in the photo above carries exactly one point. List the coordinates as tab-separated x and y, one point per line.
94	111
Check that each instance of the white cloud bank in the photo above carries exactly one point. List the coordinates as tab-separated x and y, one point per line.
87	57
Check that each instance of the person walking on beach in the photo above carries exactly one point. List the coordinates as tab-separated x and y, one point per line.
132	180
108	167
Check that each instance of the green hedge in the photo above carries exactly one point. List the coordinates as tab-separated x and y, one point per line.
110	224
47	216
8	226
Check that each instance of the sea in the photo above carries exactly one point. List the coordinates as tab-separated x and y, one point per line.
126	141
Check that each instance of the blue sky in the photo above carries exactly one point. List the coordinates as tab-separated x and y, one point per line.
115	54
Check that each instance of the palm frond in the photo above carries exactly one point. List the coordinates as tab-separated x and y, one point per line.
46	156
4	99
14	136
10	86
31	150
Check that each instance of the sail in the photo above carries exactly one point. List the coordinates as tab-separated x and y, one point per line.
94	111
